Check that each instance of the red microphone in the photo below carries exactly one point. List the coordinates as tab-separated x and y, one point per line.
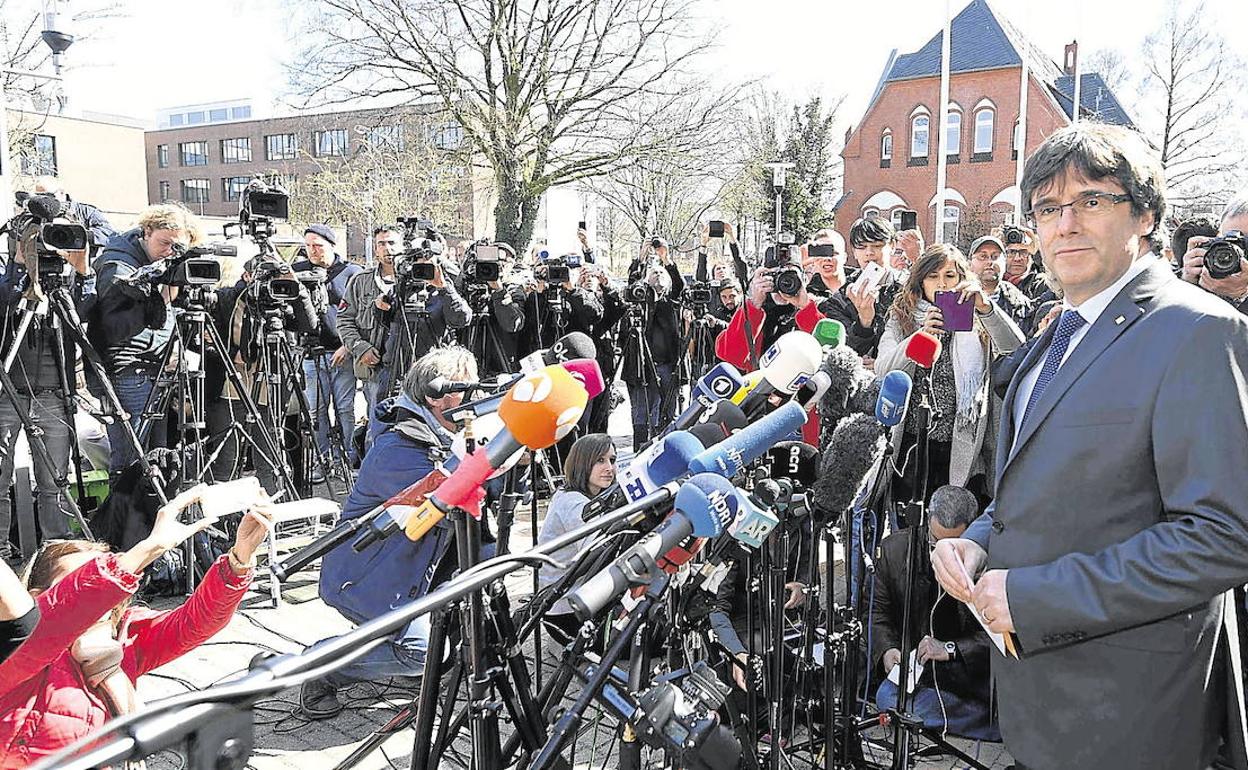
923	349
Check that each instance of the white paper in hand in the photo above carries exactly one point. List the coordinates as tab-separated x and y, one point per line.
916	671
997	639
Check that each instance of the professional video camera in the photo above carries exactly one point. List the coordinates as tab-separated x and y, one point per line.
260	206
483	264
275	283
1224	256
41	221
557	270
186	267
787	277
698	294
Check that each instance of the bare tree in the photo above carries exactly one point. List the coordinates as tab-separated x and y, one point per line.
546	92
1112	66
1189	101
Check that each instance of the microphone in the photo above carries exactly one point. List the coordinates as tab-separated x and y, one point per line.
752	524
663	461
894	396
813	389
794	460
587	372
719	383
441	386
705	504
45	206
785	366
848	379
484	429
567	348
387	518
731	455
855	448
538	411
829	332
923	349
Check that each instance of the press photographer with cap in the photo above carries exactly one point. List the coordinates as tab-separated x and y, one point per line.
329	378
987	262
1023	267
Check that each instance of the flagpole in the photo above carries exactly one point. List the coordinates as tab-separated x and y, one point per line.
942	165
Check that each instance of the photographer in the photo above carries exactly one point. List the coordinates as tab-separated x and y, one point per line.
988	265
1023	267
772	309
866	300
497	309
99	229
131	321
328	376
652	347
360	325
41	394
554	305
594	279
1222	270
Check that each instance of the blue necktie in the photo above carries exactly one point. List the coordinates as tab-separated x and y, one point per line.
1069	323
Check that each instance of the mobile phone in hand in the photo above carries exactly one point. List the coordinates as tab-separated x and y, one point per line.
957	316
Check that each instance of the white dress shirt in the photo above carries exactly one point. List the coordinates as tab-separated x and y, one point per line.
1091	310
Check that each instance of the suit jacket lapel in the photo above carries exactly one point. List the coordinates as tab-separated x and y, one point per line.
1033	350
1121	313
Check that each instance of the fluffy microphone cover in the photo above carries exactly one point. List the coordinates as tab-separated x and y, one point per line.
849	387
856	446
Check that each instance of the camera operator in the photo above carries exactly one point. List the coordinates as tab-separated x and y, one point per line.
497	308
555	306
395	570
772	311
1023	267
99	229
955	690
595	279
328	376
987	262
1220	265
867	301
131	322
36	374
360	325
655	287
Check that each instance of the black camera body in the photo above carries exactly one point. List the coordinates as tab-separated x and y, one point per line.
482	265
698	294
260	206
788	280
1224	256
1013	235
421	238
557	270
414	269
683	720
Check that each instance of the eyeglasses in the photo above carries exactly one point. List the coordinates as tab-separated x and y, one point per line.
1091	205
1018	253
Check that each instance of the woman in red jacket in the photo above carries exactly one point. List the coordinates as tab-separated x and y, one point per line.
79	667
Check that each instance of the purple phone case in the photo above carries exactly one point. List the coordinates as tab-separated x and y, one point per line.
958	317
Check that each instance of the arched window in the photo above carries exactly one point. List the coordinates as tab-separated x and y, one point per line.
871	213
983	131
919	136
886	145
1018	136
953	133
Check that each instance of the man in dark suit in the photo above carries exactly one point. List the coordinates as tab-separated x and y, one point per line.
1121	516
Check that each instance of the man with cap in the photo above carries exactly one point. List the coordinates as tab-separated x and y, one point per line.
988	264
327	364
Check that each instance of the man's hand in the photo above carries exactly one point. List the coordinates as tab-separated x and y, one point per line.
1049	317
799	300
494	285
797	595
892	657
868	363
729	234
75	257
439	281
864	300
340	356
1194	259
990	599
371	357
954	560
761	285
932	649
381	302
971	289
705	232
1232	287
583	237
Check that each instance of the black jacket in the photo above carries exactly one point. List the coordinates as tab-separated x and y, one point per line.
506	320
864	340
336	277
580	311
128	326
968	673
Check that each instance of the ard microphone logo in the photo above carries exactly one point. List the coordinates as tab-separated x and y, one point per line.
723	386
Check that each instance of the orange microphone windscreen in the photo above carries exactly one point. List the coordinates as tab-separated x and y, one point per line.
543	407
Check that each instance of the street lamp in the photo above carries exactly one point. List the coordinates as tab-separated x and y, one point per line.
58	41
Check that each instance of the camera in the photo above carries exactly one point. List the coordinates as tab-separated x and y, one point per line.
1224	256
822	250
639	292
698	293
789	281
483	265
421	238
276	284
1013	235
43	214
260	205
557	270
715	228
195	266
682	719
412	268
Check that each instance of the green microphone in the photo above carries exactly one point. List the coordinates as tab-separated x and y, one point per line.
829	333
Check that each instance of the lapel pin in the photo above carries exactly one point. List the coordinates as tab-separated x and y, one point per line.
1119	320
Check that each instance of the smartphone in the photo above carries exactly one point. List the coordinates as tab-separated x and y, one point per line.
958	316
870	276
715	228
909	220
581	226
824	250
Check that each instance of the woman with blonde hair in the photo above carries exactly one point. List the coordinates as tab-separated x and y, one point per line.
965	413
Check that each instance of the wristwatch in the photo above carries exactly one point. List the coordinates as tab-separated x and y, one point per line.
952	649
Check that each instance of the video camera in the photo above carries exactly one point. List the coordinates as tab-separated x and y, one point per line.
787	278
187	267
42	220
260	206
483	264
698	294
556	270
1224	256
275	283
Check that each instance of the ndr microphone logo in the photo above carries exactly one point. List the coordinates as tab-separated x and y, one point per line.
721	505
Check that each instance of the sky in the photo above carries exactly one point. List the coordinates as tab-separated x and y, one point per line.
174	52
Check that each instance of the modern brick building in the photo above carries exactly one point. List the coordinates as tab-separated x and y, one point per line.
206	155
891	154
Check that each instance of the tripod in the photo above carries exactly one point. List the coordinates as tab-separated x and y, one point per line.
636	365
339	458
482	338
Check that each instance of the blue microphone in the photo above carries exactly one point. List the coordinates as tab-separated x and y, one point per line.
890	407
705	504
661	462
717	384
730	456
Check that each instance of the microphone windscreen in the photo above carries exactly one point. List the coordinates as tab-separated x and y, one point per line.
709	502
675	453
680	555
890	407
44	206
846	379
790	361
708	433
794	460
728	457
855	448
726	415
570	347
923	349
829	332
543	407
588	373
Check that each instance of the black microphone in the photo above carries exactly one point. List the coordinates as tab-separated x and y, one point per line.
855	448
569	347
46	207
441	386
849	383
796	461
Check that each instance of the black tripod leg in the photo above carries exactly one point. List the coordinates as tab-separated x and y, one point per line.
430	682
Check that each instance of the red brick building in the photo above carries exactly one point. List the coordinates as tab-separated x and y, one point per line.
891	155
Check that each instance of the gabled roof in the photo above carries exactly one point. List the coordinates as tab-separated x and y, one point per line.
980	41
1096	99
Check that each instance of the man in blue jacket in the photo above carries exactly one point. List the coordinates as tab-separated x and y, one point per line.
394	571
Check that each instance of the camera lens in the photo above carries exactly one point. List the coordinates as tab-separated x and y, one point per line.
1223	258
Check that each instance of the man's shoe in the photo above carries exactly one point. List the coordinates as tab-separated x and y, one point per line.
316	477
318	699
